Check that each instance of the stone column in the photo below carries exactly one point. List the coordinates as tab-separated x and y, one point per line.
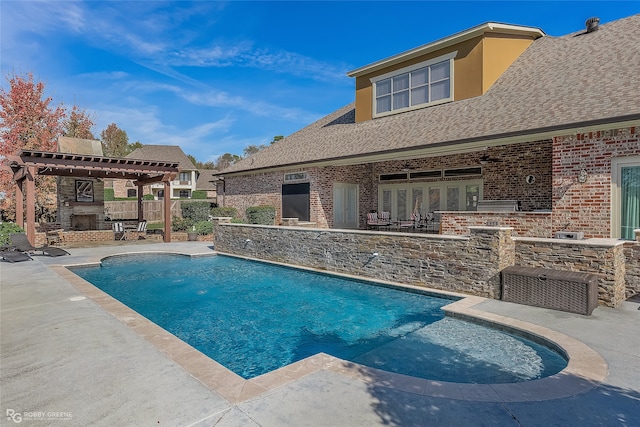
491	249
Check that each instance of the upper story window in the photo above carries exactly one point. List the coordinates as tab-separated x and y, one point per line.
185	177
416	86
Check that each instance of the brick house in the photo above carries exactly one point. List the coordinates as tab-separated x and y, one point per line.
494	113
181	187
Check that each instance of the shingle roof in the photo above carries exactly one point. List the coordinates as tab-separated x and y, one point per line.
206	179
557	82
171	153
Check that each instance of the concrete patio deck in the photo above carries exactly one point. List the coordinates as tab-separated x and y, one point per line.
71	356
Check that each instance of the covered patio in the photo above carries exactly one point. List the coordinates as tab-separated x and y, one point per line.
28	164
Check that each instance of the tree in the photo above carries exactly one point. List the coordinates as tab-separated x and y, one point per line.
277	138
199	165
114	141
253	149
78	124
132	147
226	160
28	120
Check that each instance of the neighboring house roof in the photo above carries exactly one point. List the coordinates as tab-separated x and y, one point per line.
163	153
558	83
206	179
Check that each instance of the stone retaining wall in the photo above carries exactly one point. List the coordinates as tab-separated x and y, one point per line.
632	266
467	264
603	257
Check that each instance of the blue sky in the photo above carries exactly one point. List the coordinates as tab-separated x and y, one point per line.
215	77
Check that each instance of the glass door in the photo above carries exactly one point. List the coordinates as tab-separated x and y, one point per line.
629	201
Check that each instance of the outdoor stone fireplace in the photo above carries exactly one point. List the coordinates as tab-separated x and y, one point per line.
81	204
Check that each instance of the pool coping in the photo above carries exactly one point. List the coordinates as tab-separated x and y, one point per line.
585	368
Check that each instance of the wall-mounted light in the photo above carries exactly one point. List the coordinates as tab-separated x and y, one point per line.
582	176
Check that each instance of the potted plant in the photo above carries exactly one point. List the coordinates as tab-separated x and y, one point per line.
192	235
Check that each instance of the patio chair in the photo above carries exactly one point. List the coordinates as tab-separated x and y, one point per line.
118	231
372	220
384	219
14	256
140	230
20	243
142	226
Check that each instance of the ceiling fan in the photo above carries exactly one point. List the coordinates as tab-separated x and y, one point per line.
485	158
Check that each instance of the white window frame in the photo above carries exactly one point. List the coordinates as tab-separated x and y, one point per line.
374	81
295	177
617	163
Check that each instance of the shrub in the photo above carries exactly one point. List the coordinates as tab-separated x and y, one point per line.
148	197
203	227
181	224
196	211
109	195
265	215
232	212
199	194
7	228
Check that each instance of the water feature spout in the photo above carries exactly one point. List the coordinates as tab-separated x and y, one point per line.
371	258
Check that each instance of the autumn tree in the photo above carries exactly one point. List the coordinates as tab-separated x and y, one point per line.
28	120
78	124
114	141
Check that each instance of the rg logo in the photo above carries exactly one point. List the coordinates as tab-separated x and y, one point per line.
14	416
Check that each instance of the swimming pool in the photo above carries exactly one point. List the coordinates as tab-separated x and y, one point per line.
254	317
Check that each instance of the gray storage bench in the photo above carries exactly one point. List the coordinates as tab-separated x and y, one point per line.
570	291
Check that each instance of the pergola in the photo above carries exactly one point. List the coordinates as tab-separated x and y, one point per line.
27	164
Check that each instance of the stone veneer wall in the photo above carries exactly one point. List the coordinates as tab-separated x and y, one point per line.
632	270
461	264
68	206
467	264
603	257
530	224
586	206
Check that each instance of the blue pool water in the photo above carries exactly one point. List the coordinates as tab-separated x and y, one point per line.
254	317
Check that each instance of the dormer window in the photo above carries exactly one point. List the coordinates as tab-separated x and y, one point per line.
420	85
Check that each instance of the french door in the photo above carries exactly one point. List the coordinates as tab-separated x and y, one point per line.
401	200
345	205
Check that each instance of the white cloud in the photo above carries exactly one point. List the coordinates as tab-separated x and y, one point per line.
144	125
